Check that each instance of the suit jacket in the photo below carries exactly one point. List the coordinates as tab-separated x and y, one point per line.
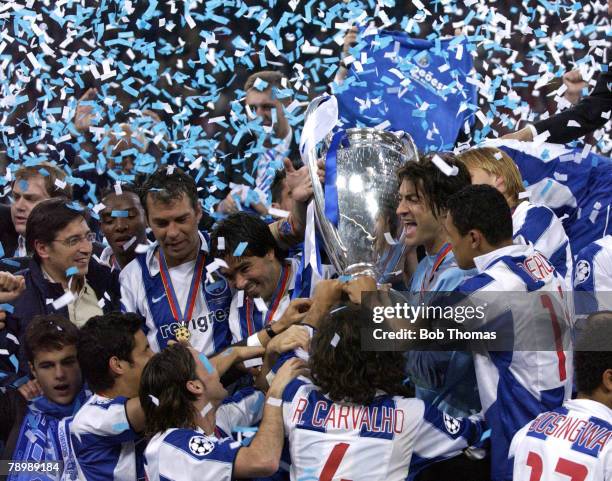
8	235
587	113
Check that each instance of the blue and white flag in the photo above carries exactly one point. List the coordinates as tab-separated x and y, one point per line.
574	183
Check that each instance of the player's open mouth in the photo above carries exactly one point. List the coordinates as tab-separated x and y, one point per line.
62	388
409	228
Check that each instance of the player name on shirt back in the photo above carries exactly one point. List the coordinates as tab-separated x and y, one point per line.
589	436
319	414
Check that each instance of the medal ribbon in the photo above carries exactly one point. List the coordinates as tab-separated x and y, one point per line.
173	302
279	292
446	248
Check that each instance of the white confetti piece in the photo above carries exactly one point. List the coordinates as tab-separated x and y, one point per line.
240	298
389	238
221	243
141	248
256	362
129	243
335	340
206	409
63	301
216	264
118	190
261	305
444	167
154	400
280	213
573	123
33	61
302	354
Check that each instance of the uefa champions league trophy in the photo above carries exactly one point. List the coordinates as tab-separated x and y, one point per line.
360	186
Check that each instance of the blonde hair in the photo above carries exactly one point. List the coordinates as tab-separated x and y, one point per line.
495	162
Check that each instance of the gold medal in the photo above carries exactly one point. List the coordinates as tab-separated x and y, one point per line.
182	334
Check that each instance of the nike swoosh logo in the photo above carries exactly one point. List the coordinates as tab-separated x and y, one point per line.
157	299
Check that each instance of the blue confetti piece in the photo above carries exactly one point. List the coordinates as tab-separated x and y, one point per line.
244	429
23	185
1	250
7	308
260	84
547	187
14	361
345	278
240	249
75	206
72	271
10	262
206	363
120	213
120	427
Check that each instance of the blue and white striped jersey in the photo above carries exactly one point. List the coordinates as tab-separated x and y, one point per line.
593	277
184	454
515	386
386	440
143	292
189	454
537	224
105	446
572	443
245	316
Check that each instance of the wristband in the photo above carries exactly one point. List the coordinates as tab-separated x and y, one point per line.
253	341
269	331
274	401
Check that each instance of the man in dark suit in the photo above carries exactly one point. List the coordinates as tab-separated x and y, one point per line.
581	119
62	278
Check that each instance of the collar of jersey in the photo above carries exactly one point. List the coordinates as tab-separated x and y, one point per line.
153	263
593	408
484	261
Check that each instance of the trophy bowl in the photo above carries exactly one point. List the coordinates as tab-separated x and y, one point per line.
365	179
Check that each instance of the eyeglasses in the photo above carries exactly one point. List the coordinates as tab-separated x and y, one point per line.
77	239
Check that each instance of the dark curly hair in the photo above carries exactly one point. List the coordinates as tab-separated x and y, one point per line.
593	353
164	378
345	371
431	183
